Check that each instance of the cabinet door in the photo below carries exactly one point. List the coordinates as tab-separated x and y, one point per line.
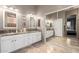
7	44
30	40
19	41
35	37
38	36
27	39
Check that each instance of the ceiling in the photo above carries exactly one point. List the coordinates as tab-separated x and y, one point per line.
39	9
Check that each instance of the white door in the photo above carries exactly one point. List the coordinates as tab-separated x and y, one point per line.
58	27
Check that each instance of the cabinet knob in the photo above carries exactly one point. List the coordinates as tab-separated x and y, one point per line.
13	40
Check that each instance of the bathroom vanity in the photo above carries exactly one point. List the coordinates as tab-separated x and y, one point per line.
14	33
14	41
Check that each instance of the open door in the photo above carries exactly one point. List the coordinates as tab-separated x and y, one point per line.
71	25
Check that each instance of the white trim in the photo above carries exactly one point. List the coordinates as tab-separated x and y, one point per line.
60	10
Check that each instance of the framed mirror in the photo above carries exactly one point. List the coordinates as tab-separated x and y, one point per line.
32	22
23	21
38	22
9	20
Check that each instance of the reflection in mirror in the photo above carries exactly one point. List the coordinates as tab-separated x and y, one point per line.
10	19
68	25
49	24
32	23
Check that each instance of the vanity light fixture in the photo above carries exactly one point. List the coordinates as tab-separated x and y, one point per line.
5	7
16	10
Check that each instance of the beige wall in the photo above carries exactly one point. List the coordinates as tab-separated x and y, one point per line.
71	12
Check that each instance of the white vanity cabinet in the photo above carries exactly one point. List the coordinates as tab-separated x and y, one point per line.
19	41
37	37
32	38
15	42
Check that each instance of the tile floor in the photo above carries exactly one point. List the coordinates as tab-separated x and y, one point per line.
54	45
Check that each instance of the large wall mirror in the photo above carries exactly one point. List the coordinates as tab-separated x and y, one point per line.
23	21
38	22
9	19
32	22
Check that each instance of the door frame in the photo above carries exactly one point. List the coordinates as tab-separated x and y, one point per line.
65	27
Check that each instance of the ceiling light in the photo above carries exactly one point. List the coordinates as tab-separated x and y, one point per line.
11	8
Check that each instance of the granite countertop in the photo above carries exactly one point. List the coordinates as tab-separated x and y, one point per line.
18	33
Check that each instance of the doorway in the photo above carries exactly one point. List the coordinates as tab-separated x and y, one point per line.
71	25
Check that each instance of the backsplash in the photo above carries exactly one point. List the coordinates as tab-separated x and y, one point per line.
7	31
